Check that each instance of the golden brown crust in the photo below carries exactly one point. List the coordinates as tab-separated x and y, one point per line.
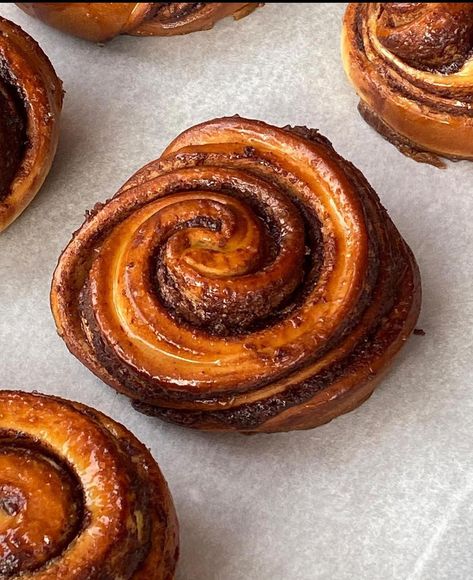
247	280
412	66
80	496
30	103
101	21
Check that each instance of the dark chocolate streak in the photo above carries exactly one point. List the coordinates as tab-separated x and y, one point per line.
427	96
167	12
358	29
13	136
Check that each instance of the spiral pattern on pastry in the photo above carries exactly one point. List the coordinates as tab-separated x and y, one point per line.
80	496
247	280
30	105
412	67
101	21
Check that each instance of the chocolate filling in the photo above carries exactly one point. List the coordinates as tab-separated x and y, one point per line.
168	12
13	131
250	316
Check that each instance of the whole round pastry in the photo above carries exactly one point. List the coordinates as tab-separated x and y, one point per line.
30	105
247	280
101	21
80	496
412	67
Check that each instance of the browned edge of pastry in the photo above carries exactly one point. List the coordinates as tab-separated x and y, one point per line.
29	78
406	147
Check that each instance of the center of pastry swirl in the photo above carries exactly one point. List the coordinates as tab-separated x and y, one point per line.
217	262
41	507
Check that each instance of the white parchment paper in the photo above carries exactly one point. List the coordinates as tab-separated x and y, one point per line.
382	493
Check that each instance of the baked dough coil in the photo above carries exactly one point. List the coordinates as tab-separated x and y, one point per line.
412	67
101	21
30	106
80	496
248	280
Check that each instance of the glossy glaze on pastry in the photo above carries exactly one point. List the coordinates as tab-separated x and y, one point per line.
249	280
80	496
30	105
101	21
412	67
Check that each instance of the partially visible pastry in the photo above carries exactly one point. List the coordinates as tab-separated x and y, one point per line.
247	280
101	21
412	67
80	496
30	105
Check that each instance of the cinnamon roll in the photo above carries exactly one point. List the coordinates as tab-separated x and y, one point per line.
412	67
101	21
30	105
247	280
80	496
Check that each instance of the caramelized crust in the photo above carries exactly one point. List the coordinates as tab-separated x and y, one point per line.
411	64
80	496
101	21
30	105
249	280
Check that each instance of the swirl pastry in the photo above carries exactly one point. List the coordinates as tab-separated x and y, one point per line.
101	21
247	280
80	496
30	105
412	67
